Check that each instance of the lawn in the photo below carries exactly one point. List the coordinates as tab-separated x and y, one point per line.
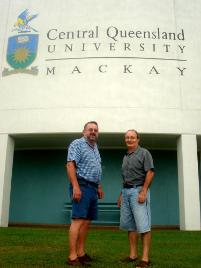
43	247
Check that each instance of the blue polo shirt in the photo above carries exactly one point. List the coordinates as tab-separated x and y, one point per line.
87	159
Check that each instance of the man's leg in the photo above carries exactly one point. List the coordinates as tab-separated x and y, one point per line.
73	237
146	242
133	239
82	238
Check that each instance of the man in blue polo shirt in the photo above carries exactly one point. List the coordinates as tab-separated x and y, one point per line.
137	173
84	172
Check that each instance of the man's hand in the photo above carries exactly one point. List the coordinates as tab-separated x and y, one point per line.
143	193
100	192
142	196
77	194
119	201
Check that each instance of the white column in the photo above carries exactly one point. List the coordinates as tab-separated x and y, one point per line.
6	163
189	198
200	184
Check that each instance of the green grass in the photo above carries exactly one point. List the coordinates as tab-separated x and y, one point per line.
41	247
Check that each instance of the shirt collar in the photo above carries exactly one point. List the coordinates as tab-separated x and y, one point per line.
134	151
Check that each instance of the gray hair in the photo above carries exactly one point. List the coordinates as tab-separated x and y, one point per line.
138	136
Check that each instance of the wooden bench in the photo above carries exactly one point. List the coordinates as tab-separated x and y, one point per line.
108	213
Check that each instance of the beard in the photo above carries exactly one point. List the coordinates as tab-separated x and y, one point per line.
92	137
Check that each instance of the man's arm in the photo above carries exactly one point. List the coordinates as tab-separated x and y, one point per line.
71	171
148	180
119	200
100	192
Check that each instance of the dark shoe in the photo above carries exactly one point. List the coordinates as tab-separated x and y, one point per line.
75	262
85	258
128	260
143	264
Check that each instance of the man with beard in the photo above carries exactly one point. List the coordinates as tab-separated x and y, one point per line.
84	172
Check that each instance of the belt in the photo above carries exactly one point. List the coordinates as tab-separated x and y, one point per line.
84	182
129	186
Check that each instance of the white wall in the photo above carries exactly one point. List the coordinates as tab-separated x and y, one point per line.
159	100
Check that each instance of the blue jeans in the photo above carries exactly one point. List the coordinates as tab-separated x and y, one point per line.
135	216
86	208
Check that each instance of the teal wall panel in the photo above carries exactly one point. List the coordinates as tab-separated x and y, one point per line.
111	181
164	189
40	187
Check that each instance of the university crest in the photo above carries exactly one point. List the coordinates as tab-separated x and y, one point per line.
22	47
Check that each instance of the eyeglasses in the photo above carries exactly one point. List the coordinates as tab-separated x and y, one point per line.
130	138
92	129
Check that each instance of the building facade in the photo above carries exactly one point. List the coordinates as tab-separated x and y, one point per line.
128	65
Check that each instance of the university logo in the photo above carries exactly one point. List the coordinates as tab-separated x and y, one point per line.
22	47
